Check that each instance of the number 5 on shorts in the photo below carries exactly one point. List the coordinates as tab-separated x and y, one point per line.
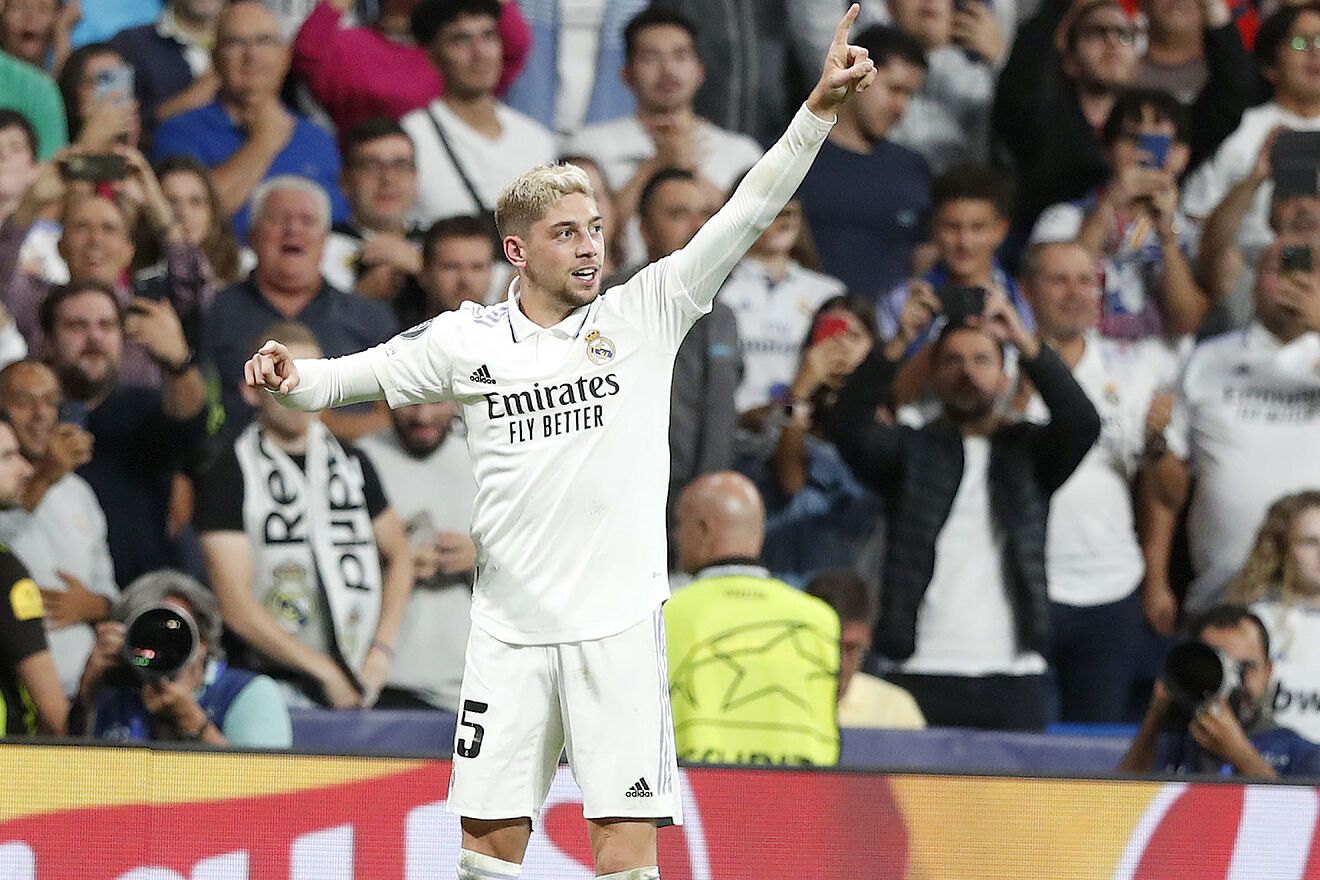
473	748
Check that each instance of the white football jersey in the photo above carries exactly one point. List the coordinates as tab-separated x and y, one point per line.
568	425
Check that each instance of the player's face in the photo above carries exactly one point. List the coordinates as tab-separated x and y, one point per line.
380	181
968	375
675	213
468	52
1065	292
458	271
967	233
1304	550
880	107
423	427
664	72
565	250
14	468
31	396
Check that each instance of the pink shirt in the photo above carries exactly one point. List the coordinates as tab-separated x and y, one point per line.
359	73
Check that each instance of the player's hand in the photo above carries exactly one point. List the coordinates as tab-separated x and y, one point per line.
72	605
271	368
457	554
848	69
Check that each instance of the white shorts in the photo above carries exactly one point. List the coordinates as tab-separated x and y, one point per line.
605	702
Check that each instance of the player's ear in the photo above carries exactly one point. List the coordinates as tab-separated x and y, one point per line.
515	251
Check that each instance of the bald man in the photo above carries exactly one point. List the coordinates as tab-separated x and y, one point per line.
753	663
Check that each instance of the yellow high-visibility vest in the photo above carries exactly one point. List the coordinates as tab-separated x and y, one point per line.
753	671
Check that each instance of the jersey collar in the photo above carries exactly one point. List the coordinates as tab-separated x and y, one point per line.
524	328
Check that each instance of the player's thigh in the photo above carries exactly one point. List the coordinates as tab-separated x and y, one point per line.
618	728
509	734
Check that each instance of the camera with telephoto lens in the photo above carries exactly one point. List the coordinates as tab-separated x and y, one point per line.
1196	674
160	641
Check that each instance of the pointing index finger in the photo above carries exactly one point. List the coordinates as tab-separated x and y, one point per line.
845	24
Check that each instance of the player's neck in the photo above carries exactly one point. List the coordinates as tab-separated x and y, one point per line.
540	308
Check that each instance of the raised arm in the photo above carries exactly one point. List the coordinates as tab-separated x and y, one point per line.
702	266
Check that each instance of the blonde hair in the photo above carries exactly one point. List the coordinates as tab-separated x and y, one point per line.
531	194
1269	571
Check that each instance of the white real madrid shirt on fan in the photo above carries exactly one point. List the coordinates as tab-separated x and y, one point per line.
1247	420
568	424
1294	695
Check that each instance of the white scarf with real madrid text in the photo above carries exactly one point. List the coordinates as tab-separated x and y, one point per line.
317	521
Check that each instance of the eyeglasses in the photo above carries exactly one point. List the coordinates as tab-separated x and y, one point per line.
1301	43
380	166
1124	35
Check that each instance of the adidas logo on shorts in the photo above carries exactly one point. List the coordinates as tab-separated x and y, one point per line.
482	375
640	789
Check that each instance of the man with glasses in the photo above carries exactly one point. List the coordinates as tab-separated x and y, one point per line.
1288	57
375	252
246	135
1065	72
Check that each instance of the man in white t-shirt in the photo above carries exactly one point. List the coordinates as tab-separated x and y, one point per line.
469	145
1246	426
1284	54
664	72
1092	555
564	394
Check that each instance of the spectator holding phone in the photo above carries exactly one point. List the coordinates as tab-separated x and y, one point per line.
97	85
948	119
1285	47
970	214
1245	429
172	57
965	622
1132	225
817	514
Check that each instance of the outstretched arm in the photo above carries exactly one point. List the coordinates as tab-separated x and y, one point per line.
701	267
313	384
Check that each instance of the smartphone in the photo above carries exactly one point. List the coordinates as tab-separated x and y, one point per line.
114	84
95	167
828	327
1156	148
1295	258
960	303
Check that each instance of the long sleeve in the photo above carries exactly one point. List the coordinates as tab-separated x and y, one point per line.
329	382
1229	90
701	267
1074	424
871	450
315	40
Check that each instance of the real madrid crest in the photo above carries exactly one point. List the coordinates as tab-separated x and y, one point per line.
599	348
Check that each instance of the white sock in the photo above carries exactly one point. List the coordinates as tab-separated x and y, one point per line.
475	866
651	873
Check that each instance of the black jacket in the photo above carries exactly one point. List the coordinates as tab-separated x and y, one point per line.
918	471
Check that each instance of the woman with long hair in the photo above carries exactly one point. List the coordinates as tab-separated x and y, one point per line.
102	107
1281	582
188	186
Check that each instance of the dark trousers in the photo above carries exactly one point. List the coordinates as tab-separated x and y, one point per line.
1094	658
993	702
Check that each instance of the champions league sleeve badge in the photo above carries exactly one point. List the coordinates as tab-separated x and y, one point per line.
599	348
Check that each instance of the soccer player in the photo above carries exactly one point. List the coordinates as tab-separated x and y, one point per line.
565	393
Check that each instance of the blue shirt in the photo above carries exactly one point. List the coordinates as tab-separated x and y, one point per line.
162	70
210	136
867	213
1283	748
342	323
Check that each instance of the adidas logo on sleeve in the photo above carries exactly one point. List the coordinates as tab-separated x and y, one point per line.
482	375
640	789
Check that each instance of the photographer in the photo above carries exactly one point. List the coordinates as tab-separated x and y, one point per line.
205	701
1229	734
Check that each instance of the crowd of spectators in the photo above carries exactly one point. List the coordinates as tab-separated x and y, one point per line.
1022	385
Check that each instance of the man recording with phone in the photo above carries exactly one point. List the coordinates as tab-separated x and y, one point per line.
966	614
1230	731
